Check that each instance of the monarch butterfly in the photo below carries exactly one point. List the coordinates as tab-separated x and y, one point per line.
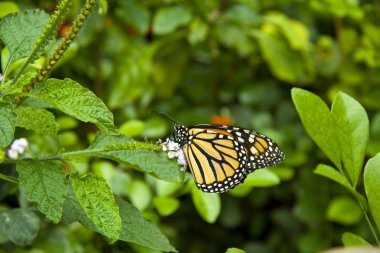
220	157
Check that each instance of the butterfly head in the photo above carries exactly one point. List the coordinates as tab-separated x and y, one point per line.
180	134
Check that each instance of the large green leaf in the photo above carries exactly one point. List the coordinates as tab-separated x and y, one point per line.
39	120
78	102
168	19
134	228
207	204
98	202
19	226
352	131
21	30
137	230
318	122
7	124
372	187
44	183
136	155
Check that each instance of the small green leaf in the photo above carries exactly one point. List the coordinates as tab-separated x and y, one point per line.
198	31
352	129
318	122
97	200
7	124
295	31
285	63
168	19
352	240
20	226
372	187
21	30
132	128
165	205
166	189
235	250
39	120
262	178
44	183
16	88
333	174
136	15
78	102
207	204
139	194
7	7
344	210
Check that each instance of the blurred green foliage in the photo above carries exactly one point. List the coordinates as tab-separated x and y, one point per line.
200	62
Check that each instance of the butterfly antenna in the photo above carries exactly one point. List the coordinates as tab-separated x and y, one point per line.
165	115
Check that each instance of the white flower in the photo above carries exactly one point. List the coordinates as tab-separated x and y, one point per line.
18	147
13	154
174	151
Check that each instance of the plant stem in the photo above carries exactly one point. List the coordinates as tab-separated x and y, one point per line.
8	178
371	227
50	29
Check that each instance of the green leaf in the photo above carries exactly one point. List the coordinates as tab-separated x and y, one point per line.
78	102
262	178
7	8
198	31
231	35
333	174
98	202
318	122
207	204
166	205
352	240
45	184
295	32
20	226
344	210
285	63
134	228
135	155
168	19
21	30
352	129
134	14
132	128
139	194
372	187
39	120
137	230
7	124
235	250
16	88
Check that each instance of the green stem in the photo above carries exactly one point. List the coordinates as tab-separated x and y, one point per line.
371	226
50	29
8	178
64	44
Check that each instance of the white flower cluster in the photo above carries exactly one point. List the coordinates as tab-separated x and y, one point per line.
174	151
18	147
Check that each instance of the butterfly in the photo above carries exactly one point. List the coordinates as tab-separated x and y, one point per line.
221	157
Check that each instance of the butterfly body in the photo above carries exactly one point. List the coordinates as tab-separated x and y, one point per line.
220	157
